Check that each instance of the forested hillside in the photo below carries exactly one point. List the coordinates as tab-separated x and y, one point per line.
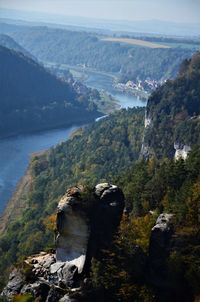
129	62
151	187
96	153
33	99
173	112
125	272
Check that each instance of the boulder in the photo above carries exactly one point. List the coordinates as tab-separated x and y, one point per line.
15	283
36	289
68	274
55	294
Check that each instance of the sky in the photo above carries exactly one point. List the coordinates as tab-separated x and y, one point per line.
168	10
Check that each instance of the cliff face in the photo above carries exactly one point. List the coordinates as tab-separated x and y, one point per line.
84	227
172	123
181	151
73	230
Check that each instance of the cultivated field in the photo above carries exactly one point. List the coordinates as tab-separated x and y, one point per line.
136	42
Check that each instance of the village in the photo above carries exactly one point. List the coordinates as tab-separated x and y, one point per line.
139	87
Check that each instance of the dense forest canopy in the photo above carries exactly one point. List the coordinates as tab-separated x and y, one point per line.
33	84
92	154
149	186
153	187
31	98
174	109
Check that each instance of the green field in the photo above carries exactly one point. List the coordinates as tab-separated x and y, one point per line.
136	42
143	43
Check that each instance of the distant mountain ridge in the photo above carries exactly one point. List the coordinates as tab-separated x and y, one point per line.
10	43
144	26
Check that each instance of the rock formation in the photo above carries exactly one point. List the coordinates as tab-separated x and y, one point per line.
163	273
160	237
181	151
73	230
159	250
86	223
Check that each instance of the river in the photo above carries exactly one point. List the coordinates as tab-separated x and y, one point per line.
102	82
15	152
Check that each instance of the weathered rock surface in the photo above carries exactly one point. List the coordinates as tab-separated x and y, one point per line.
163	274
106	216
159	249
181	151
73	230
15	284
83	228
161	235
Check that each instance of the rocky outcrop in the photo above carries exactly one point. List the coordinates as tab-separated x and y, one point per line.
145	151
160	237
86	223
181	151
106	216
147	120
73	230
166	273
161	244
159	249
15	284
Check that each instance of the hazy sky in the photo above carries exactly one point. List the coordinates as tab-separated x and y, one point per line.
171	10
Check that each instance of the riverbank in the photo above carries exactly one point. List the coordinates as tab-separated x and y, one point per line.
81	69
17	202
141	93
105	83
82	73
107	104
15	150
37	130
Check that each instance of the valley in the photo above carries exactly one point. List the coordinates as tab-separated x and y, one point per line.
99	163
15	152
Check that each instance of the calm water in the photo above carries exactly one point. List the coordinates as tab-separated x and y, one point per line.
15	152
102	82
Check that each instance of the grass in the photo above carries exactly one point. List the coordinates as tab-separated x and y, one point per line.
136	42
107	104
